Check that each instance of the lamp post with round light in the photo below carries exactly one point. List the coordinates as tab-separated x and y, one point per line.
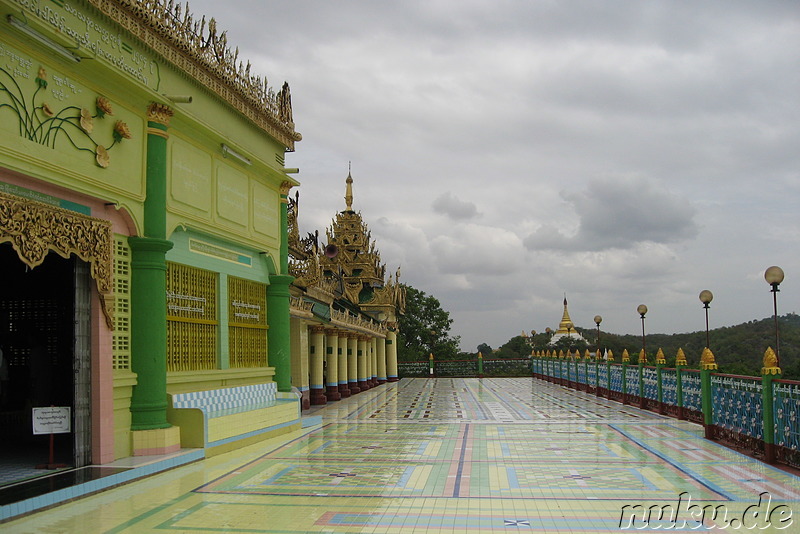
642	309
706	297
774	277
597	320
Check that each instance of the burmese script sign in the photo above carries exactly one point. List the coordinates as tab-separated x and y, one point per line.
52	420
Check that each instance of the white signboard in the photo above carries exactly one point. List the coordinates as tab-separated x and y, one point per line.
52	420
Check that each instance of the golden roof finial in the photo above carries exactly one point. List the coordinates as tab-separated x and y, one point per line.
348	194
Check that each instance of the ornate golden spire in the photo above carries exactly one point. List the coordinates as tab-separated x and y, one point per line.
565	320
348	194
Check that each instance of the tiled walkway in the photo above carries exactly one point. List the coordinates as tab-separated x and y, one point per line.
455	455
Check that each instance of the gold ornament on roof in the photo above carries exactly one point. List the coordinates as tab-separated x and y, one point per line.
202	52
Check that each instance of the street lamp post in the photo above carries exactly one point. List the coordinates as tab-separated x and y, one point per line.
774	277
706	297
642	309
597	320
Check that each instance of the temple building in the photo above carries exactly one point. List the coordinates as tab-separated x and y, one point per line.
344	308
566	328
143	236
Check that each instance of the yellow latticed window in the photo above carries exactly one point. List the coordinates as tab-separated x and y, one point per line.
191	318
121	338
247	323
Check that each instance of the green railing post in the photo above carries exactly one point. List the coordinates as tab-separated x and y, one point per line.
642	361
597	373
430	364
661	361
769	372
609	359
480	365
626	359
707	364
680	363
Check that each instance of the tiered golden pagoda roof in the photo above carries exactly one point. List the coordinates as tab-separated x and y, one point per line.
349	265
565	320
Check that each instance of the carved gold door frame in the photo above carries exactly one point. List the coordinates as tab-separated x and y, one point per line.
34	229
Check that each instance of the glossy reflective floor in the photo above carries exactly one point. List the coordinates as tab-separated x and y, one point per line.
456	455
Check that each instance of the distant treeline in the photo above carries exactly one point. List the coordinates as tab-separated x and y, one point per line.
738	349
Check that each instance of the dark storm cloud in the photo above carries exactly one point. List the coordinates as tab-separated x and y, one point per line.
456	209
619	214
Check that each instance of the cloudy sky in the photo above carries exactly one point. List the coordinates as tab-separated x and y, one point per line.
505	153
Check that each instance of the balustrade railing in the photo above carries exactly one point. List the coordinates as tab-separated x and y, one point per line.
759	415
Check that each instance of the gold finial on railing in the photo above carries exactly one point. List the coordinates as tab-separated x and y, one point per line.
660	359
642	356
625	356
707	361
586	355
610	356
770	363
680	358
598	356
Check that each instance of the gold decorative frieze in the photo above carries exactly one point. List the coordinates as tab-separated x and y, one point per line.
197	48
34	229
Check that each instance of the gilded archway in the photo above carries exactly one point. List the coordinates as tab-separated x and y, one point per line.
34	229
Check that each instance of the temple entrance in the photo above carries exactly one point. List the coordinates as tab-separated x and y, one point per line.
46	344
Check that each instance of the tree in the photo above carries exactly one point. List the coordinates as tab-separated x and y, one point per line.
485	349
425	329
516	347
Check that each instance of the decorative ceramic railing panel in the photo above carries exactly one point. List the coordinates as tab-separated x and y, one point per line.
787	414
690	382
632	380
650	377
616	378
738	404
669	387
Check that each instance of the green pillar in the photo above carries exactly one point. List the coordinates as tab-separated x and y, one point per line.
149	285
280	354
625	361
680	363
480	364
642	361
769	372
660	363
707	364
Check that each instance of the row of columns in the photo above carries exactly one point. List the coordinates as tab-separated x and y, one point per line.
343	363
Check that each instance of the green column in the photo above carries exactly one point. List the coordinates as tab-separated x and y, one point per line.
680	363
769	372
660	363
642	361
280	354
480	364
149	285
707	364
625	361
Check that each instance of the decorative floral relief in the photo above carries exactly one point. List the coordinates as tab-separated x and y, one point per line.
41	124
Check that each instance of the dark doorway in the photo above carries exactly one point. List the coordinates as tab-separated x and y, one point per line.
38	325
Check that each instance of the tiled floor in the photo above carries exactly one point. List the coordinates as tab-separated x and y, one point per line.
455	455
